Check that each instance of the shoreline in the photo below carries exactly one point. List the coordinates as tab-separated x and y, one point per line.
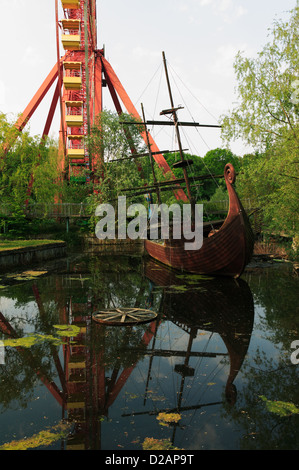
31	252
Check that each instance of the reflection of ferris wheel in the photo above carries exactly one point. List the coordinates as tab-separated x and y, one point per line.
80	76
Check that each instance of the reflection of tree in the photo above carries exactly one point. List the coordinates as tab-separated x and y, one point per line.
45	302
273	377
118	345
115	283
24	365
276	290
17	378
25	303
123	287
262	429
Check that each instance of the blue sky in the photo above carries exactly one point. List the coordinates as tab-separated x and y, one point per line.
200	39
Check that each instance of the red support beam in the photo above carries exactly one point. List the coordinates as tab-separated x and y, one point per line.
37	98
52	111
98	84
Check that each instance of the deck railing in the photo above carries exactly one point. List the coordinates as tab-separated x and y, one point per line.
76	210
50	211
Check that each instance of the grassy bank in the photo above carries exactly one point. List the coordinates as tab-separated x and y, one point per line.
17	244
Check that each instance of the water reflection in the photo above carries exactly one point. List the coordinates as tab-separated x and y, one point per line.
221	306
110	383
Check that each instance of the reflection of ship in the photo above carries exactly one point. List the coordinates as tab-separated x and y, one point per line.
222	306
98	362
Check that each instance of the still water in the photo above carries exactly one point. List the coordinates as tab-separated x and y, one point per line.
199	376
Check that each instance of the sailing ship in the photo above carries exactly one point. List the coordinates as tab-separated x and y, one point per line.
226	248
224	252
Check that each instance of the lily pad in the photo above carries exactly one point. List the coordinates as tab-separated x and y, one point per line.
30	340
194	278
158	444
166	419
43	438
67	330
280	408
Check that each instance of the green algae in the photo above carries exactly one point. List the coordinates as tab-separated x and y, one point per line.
194	278
280	408
67	330
41	439
31	340
63	331
150	443
166	419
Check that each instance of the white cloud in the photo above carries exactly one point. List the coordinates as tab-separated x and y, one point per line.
241	11
224	60
31	56
2	94
224	5
205	2
229	10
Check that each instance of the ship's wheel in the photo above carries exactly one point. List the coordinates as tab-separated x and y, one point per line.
124	316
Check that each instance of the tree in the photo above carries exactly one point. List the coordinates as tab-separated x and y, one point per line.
24	158
115	172
212	163
195	169
266	117
266	105
215	161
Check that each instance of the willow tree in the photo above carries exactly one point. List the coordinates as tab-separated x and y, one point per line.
26	162
267	117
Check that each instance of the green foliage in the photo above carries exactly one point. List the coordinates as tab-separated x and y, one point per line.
212	163
74	192
112	142
219	195
270	180
266	117
215	161
23	157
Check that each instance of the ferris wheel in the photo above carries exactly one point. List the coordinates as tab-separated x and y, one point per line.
81	73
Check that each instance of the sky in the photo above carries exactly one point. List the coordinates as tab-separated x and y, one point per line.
199	37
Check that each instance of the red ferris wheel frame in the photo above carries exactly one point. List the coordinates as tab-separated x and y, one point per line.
80	75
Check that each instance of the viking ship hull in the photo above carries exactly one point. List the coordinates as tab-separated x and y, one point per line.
223	253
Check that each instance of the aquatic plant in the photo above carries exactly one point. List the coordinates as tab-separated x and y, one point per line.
166	419
150	443
41	439
280	408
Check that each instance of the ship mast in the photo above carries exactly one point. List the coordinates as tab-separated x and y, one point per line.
173	111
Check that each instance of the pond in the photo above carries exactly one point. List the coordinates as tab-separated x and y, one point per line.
214	369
